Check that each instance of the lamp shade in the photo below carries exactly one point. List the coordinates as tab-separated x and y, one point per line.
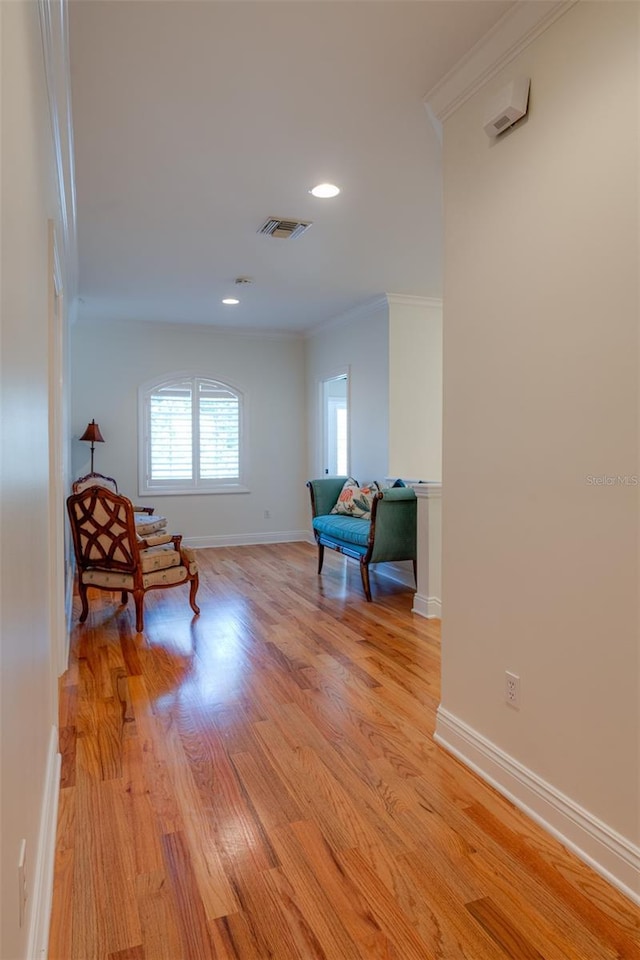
92	433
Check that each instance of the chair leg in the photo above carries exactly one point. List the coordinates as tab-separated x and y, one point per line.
415	571
193	589
138	596
82	590
364	571
320	557
124	596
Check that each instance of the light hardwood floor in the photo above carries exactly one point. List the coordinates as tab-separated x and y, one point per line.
261	783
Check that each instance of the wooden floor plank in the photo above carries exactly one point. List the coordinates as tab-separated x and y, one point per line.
130	953
312	898
261	783
502	929
138	809
385	910
64	908
193	925
343	890
160	920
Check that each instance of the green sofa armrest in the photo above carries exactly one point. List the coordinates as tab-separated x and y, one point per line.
393	532
324	494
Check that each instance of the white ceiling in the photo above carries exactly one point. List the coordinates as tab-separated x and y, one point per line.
195	121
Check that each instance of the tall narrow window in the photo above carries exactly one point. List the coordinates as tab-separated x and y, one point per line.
192	436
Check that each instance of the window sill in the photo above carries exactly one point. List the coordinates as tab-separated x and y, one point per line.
195	492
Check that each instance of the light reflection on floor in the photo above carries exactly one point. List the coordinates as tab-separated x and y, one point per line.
216	644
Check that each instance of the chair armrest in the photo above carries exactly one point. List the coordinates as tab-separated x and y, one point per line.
324	494
189	559
187	556
139	509
155	539
393	531
392	494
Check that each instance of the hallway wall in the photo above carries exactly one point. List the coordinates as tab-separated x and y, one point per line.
28	701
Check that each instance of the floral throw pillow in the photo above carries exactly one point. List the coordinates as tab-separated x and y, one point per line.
355	501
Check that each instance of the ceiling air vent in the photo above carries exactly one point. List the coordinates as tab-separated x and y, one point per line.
285	229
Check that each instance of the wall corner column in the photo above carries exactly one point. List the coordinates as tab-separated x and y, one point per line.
427	599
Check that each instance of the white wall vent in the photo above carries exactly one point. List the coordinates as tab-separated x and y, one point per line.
285	229
507	106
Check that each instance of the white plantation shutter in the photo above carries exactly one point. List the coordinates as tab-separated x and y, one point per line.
170	422
192	429
219	432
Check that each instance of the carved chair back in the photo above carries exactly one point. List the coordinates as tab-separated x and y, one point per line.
94	480
103	528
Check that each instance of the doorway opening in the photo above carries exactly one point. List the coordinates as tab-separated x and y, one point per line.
335	433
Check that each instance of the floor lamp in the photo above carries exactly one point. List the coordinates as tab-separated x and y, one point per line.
92	434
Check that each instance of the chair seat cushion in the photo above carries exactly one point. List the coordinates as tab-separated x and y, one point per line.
160	578
114	580
146	525
349	529
111	579
159	558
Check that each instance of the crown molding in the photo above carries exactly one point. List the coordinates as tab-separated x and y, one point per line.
521	25
373	305
429	489
188	325
364	309
406	300
54	27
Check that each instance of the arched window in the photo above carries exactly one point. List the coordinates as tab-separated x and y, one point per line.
191	431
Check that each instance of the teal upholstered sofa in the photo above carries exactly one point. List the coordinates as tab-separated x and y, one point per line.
390	533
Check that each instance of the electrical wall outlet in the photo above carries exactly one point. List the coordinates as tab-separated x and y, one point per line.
512	690
267	514
22	881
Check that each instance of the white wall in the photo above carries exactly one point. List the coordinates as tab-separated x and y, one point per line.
27	701
540	566
109	363
415	388
360	343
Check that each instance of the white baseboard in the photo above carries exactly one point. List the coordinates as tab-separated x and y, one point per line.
68	600
429	607
70	574
42	894
247	539
613	856
401	571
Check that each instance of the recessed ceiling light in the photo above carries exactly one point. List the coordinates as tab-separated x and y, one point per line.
325	191
230	301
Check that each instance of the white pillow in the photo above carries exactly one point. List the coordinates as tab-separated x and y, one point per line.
355	501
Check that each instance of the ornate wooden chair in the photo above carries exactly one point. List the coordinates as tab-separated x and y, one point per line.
111	556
